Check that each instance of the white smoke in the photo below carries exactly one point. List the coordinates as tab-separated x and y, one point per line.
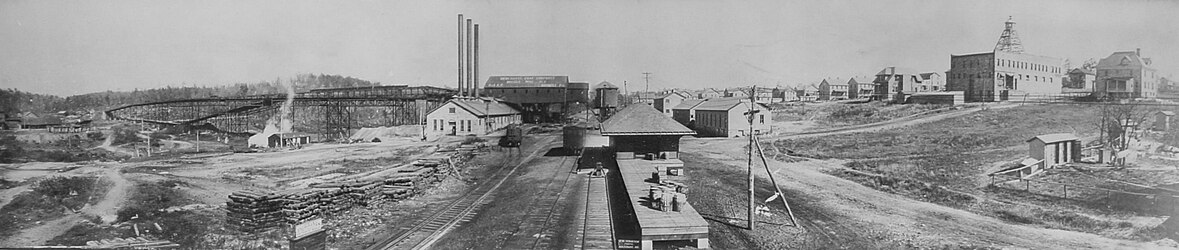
280	123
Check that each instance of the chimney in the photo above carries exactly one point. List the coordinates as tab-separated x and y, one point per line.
1138	52
469	76
460	54
475	84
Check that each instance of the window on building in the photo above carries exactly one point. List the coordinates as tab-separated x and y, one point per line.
452	110
762	118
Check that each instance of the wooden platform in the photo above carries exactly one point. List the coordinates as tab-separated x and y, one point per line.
656	225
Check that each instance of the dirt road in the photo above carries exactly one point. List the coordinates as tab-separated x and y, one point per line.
107	209
844	212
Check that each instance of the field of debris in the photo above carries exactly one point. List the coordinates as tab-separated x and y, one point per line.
215	198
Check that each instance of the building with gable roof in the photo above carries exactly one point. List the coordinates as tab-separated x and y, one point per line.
1126	74
478	116
667	101
892	84
860	87
1079	81
831	89
726	117
931	82
685	113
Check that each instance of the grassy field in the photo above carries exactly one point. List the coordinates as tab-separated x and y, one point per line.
946	162
838	114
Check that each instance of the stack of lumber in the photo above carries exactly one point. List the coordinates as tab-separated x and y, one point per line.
131	243
302	205
248	211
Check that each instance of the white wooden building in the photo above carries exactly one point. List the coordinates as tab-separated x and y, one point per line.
469	116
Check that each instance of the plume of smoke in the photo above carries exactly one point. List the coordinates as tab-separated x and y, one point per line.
281	123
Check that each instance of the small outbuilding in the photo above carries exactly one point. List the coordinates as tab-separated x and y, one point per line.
1054	149
1162	120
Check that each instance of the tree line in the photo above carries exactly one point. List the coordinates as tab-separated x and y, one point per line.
15	101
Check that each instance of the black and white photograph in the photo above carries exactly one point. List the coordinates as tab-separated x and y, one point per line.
611	124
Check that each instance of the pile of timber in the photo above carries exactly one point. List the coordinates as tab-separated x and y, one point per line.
131	243
248	211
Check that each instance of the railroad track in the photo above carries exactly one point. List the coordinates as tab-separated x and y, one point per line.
424	232
535	230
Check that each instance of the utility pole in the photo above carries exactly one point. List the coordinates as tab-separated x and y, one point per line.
647	78
749	166
625	92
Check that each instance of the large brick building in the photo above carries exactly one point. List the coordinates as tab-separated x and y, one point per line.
1000	75
540	98
1005	72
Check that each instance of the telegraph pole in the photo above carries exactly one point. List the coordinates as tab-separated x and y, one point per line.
749	167
647	78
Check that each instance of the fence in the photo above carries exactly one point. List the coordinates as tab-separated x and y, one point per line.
1161	202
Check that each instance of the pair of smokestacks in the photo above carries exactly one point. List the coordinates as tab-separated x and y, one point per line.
468	58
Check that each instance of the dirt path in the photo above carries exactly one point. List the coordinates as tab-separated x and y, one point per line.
108	207
846	209
6	195
44	232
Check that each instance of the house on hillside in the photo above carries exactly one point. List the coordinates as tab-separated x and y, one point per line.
728	118
832	89
709	93
685	113
930	82
1126	74
462	116
1079	81
641	130
860	87
667	101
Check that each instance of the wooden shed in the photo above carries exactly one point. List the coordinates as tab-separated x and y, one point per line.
1054	149
1162	120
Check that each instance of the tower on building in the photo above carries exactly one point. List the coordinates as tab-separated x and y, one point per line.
1009	40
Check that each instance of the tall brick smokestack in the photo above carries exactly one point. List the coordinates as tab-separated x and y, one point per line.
460	55
469	76
475	84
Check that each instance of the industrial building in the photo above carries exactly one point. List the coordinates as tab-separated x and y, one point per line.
540	98
478	116
1005	72
727	117
1126	74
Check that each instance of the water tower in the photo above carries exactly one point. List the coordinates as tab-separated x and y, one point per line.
605	99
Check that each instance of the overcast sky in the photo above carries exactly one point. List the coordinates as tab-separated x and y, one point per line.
76	47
